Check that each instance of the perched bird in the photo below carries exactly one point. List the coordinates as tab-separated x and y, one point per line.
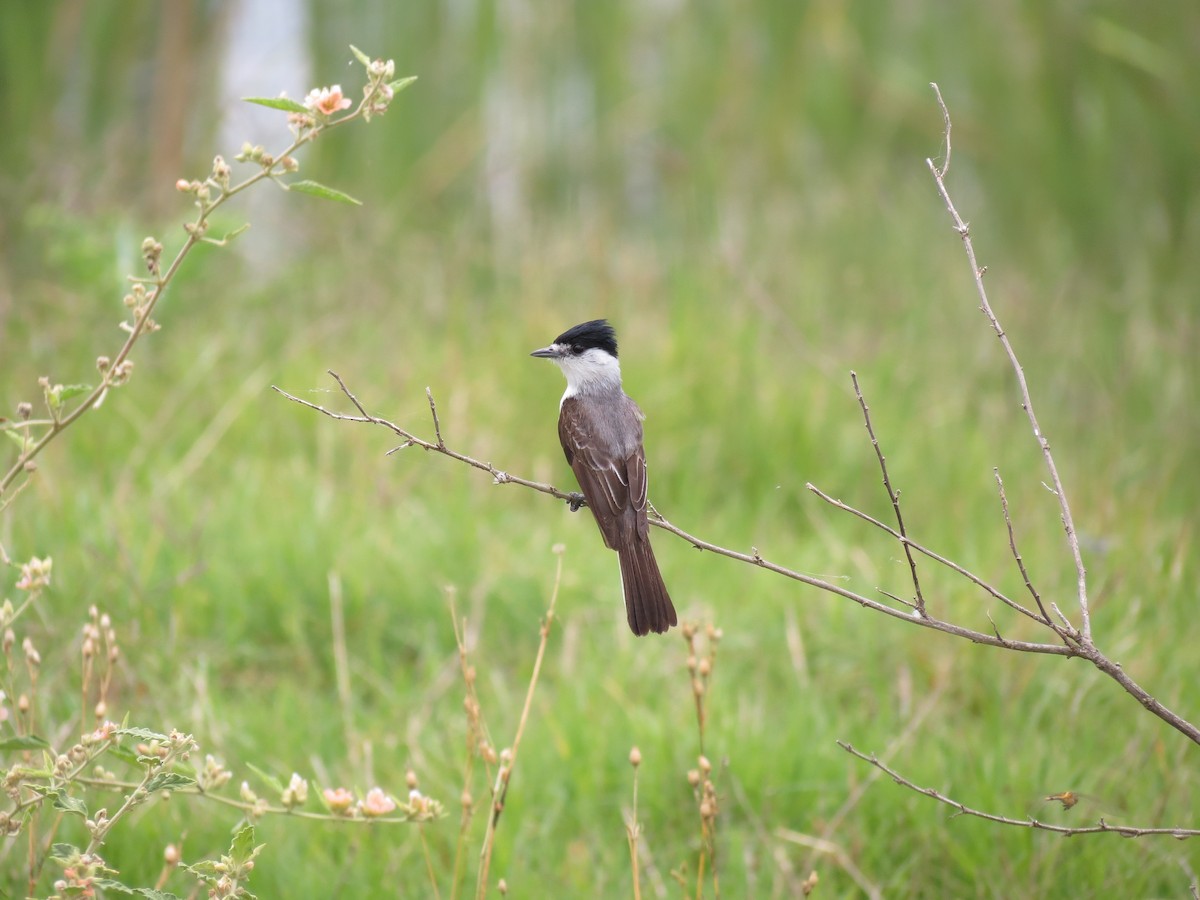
601	433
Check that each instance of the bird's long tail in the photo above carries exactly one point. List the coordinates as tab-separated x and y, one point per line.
647	604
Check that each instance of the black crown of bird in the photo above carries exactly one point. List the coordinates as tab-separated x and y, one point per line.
600	429
596	334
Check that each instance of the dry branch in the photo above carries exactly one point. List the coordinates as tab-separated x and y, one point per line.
1101	826
1069	640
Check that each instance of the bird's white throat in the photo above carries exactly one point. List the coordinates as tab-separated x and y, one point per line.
593	371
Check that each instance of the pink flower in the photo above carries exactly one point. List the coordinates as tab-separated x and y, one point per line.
35	574
326	101
376	803
339	800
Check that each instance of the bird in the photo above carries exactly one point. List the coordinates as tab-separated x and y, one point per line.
600	429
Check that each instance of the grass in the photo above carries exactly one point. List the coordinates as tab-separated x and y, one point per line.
786	232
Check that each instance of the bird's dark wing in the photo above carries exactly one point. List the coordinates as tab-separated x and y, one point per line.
608	481
635	468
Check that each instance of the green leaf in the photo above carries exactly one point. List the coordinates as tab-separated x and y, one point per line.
18	439
242	850
144	733
205	869
320	190
64	853
24	742
67	803
271	781
400	84
284	103
123	754
73	390
115	886
168	781
360	56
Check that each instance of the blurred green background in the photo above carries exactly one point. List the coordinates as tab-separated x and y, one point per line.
741	188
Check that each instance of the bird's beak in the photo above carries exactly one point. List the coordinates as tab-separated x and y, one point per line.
550	352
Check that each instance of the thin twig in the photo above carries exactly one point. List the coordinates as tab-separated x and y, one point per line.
161	280
437	426
836	853
964	232
504	773
1012	543
925	551
437	894
911	727
633	832
945	167
411	440
893	495
476	735
962	809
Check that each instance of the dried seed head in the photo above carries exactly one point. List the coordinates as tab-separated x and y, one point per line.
635	757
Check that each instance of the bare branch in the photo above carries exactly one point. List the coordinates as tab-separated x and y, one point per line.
893	495
437	426
757	559
1026	402
754	558
411	440
962	809
1012	543
940	682
1075	642
925	551
945	131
